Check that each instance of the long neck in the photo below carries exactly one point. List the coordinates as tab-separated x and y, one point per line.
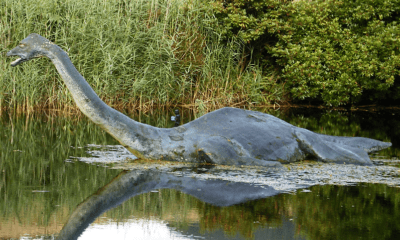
128	132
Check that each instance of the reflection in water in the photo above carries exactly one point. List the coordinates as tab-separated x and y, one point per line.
319	213
39	191
128	184
133	229
156	230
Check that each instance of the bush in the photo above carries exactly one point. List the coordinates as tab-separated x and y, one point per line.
326	50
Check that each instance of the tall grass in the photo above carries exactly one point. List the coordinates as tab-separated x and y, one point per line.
136	53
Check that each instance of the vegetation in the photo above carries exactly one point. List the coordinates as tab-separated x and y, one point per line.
146	53
336	52
219	53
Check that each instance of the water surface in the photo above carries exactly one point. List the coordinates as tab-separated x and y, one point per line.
43	181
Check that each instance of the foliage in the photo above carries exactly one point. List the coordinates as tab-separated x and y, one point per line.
246	19
329	50
155	52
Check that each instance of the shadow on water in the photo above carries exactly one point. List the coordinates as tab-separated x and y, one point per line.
44	196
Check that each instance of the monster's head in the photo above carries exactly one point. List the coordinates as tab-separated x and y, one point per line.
31	47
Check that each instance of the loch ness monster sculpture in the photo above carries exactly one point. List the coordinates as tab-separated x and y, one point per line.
227	136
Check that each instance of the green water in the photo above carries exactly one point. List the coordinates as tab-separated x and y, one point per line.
39	189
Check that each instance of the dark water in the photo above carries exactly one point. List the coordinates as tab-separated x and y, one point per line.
43	186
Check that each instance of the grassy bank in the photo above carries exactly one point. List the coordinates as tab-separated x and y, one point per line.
133	53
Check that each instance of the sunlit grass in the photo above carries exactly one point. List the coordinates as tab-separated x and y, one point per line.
133	53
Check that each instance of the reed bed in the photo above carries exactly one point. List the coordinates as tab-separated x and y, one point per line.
139	54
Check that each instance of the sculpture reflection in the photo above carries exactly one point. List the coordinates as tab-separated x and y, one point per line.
132	183
227	186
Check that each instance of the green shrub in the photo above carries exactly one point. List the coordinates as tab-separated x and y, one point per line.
326	50
247	19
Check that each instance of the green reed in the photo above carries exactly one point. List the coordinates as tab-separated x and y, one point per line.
142	52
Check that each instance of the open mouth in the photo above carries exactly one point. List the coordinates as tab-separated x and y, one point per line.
21	57
17	61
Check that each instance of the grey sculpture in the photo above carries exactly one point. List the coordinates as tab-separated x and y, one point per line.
227	136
